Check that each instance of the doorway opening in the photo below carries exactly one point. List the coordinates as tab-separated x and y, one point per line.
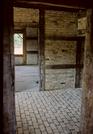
26	49
57	109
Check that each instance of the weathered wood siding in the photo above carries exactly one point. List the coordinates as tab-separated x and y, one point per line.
59	52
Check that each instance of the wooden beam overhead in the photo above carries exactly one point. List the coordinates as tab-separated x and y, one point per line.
76	4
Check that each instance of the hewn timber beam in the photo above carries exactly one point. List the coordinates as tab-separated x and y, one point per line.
24	25
63	66
78	62
46	6
32	38
66	3
42	48
1	65
32	52
87	100
66	38
9	123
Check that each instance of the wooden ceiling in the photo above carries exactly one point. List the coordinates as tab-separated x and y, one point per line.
70	3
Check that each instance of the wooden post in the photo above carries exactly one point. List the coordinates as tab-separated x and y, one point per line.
87	100
24	48
8	69
78	63
1	68
42	48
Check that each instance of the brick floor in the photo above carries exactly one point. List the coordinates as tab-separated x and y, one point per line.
48	112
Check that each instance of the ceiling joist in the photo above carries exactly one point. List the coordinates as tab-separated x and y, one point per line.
65	5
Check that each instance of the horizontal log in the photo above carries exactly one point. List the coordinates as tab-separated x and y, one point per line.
45	6
32	52
31	38
65	3
18	55
27	24
63	66
19	31
67	38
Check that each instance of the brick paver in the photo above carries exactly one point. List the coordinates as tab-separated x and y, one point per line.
48	112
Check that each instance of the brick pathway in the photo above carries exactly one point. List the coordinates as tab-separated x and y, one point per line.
48	112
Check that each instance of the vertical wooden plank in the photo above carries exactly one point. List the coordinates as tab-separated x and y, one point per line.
8	69
1	67
42	48
24	47
87	100
78	63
